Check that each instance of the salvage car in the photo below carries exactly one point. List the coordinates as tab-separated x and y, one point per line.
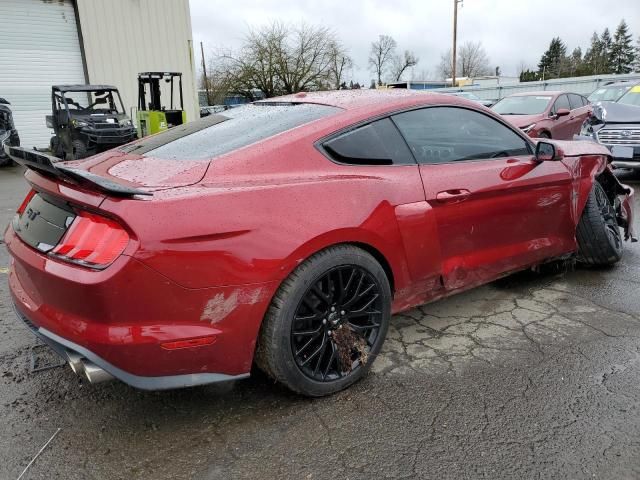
545	114
8	132
617	126
286	232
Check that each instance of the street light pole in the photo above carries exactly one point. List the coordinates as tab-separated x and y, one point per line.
455	36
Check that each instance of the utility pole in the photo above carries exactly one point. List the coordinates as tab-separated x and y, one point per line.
204	72
455	37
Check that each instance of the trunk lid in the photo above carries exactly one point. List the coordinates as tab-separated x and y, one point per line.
144	172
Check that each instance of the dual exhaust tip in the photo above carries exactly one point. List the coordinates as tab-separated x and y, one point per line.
87	369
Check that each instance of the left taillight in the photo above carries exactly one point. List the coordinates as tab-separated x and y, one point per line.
92	241
25	202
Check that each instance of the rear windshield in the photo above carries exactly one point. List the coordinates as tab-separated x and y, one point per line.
522	105
235	128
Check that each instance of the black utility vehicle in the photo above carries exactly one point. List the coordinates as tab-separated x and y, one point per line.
8	132
87	119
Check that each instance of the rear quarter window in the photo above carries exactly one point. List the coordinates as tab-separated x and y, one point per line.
238	127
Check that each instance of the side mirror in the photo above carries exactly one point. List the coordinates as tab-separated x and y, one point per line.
545	152
562	112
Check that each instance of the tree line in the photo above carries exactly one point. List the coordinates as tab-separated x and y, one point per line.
280	59
606	54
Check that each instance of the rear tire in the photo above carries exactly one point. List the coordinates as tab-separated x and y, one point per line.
326	323
598	234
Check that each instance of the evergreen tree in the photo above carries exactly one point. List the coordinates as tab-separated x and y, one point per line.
592	56
553	60
575	62
606	43
622	52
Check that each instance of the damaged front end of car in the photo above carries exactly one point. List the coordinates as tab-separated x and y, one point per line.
617	127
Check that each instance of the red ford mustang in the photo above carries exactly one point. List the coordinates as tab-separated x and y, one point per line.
286	232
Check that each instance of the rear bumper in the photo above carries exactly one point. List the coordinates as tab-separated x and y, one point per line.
122	318
64	348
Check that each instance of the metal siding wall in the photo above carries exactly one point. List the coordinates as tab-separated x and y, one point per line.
125	37
39	48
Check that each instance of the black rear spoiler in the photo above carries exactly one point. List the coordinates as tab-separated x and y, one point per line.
46	164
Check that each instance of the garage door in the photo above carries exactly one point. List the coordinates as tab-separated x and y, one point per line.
39	47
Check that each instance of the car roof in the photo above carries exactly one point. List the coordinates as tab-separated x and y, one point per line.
354	99
621	83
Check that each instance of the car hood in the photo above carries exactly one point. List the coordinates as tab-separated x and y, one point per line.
610	112
142	171
522	121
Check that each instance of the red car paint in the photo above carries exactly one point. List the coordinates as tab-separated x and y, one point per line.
547	124
210	248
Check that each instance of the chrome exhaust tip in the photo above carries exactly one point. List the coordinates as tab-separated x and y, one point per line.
75	362
94	373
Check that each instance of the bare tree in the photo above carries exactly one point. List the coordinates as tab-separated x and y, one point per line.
401	63
339	63
381	55
279	59
472	61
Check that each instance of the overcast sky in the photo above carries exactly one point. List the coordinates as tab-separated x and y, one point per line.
512	31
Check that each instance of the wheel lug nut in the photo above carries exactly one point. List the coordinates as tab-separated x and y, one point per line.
333	309
324	321
329	333
342	312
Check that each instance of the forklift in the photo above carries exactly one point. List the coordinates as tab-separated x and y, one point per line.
153	116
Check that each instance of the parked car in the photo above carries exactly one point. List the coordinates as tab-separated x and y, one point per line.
610	92
471	96
212	109
557	115
617	125
8	132
287	231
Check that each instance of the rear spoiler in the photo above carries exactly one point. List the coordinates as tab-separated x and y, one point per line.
46	164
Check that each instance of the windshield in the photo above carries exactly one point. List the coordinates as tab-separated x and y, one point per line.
522	105
5	120
235	128
632	97
105	102
608	94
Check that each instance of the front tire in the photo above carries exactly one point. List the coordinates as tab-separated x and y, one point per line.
598	234
326	323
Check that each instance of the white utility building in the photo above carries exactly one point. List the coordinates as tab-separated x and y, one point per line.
54	42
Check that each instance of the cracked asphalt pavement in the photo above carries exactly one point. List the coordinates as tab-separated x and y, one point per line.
533	376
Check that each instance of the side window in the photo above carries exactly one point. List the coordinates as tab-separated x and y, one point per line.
377	143
576	101
448	134
561	102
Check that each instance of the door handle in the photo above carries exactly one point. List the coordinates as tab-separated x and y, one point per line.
454	195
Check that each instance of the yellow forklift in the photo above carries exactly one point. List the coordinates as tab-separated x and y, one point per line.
153	116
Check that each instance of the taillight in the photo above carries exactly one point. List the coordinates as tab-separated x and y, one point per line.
92	240
26	201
